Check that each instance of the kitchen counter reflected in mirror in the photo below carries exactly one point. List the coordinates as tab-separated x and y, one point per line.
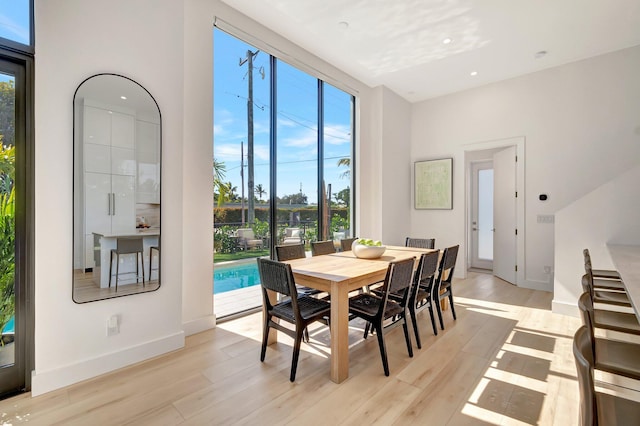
117	132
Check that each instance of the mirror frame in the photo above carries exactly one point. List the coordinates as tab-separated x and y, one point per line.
78	199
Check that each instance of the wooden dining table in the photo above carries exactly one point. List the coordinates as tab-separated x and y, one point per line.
338	274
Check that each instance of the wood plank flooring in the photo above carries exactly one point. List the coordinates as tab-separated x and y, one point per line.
507	360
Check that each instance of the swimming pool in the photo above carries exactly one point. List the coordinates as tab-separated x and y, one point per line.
234	276
9	327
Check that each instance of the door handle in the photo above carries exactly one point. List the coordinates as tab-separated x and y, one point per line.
109	201
474	229
113	194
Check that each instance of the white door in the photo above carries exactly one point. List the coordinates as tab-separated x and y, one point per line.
482	215
504	215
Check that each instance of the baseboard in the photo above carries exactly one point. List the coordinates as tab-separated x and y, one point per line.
536	285
564	308
201	324
47	381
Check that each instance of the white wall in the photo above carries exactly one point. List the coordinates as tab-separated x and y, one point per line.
76	39
581	127
607	215
167	46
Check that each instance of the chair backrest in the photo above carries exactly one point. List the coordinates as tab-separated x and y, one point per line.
322	247
290	252
292	232
427	267
398	280
585	304
276	276
426	243
448	264
345	243
129	245
584	365
246	233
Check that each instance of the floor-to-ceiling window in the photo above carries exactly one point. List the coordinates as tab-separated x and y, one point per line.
283	161
16	189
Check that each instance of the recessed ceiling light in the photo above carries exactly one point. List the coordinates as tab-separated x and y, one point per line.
446	41
540	54
473	73
123	97
343	25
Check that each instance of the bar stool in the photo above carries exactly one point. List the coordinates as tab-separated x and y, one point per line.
605	279
125	246
151	250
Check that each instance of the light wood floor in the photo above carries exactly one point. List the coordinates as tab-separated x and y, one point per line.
506	360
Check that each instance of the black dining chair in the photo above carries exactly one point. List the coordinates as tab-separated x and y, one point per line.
443	289
378	308
346	243
426	243
296	309
319	248
422	294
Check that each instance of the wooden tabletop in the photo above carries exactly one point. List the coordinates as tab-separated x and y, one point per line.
627	262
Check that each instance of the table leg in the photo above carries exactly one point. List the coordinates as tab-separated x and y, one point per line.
339	332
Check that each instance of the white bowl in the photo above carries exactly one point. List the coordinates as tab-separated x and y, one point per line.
367	252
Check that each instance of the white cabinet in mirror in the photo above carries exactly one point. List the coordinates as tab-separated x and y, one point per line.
117	169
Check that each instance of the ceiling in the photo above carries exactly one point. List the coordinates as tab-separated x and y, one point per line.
400	43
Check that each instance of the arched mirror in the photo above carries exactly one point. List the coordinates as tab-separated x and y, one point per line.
117	133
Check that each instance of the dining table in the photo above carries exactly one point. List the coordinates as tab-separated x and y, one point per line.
339	274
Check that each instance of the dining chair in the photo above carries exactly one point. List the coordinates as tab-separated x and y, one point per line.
612	356
598	408
443	289
422	294
296	309
426	243
319	248
346	243
127	246
378	308
603	279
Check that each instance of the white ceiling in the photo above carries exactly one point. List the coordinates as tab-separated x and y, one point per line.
399	43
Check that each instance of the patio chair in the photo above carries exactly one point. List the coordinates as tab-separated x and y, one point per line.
319	248
295	309
247	239
376	309
292	236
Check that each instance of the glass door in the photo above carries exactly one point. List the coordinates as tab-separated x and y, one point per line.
482	216
12	149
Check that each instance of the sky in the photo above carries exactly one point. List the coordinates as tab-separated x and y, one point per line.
296	123
14	20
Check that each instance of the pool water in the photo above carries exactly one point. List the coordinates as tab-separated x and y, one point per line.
235	276
9	327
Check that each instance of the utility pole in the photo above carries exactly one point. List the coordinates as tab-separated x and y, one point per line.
242	178
250	189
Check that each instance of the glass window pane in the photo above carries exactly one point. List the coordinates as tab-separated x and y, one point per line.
337	132
14	21
297	155
7	220
241	180
485	214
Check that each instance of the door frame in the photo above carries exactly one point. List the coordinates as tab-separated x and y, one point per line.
477	151
25	218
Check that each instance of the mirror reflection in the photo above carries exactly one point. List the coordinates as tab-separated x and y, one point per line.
116	225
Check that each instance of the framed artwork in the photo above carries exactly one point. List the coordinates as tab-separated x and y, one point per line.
433	183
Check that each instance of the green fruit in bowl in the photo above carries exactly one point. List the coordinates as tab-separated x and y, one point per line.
377	243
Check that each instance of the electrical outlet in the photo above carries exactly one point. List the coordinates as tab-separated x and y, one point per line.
113	325
545	218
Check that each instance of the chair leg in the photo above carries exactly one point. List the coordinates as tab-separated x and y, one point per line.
265	337
439	309
407	336
412	312
110	268
366	330
453	308
383	349
117	270
433	319
142	264
296	354
305	335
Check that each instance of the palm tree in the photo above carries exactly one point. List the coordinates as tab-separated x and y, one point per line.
345	161
260	191
231	190
219	173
